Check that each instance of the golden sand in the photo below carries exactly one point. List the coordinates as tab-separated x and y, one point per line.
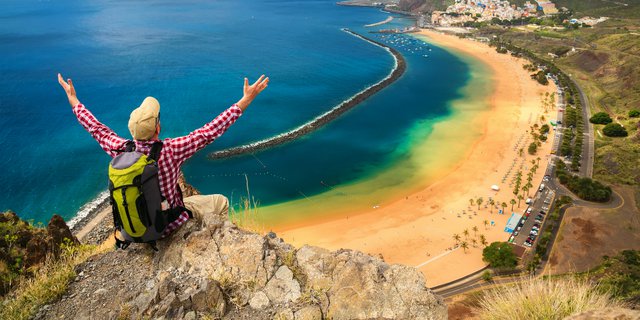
475	150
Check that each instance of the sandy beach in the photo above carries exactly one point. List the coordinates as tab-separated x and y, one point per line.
418	229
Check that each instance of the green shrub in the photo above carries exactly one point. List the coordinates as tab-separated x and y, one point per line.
540	77
533	148
544	129
634	113
614	130
601	118
500	255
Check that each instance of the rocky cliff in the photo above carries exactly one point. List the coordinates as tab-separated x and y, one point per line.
213	269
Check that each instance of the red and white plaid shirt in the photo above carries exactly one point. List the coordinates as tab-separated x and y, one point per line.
175	151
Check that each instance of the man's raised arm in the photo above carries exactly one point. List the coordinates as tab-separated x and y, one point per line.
185	147
108	140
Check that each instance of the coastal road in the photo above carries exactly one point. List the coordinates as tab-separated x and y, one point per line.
588	148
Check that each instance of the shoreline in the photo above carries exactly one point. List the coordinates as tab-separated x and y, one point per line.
398	70
417	228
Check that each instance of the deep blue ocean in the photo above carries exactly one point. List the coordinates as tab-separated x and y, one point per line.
192	56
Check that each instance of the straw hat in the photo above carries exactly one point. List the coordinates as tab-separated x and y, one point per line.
144	119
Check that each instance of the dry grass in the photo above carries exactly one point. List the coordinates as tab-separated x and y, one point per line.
246	214
543	299
49	283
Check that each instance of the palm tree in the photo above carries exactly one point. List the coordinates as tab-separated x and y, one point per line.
491	204
504	205
466	233
533	162
464	246
474	242
520	198
475	231
471	202
521	152
479	202
456	237
538	160
486	223
525	189
513	201
483	240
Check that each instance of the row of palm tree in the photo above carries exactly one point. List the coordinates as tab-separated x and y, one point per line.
474	242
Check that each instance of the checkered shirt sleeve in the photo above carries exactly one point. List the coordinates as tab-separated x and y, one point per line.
108	140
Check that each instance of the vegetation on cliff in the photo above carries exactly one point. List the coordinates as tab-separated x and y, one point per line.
36	264
543	299
620	275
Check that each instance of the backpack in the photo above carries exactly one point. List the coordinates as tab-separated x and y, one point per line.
135	196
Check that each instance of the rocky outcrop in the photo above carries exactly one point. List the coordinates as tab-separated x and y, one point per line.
23	246
607	314
217	270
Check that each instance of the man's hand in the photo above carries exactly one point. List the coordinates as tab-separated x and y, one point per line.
69	89
252	91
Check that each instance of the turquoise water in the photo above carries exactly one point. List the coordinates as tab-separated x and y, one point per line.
192	56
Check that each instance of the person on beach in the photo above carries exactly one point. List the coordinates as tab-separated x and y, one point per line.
144	125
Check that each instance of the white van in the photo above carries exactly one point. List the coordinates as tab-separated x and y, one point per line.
541	187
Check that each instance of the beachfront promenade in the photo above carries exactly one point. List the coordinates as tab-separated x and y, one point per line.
398	70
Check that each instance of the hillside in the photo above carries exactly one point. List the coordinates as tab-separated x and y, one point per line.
605	63
213	269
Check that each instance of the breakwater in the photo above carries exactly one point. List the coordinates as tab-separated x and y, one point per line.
398	70
389	19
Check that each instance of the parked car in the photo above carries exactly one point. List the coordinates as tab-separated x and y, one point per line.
528	201
529	210
541	187
546	178
542	212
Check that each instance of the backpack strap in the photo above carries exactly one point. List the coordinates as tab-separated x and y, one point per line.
154	153
128	147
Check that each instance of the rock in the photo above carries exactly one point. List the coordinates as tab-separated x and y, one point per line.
168	306
58	231
308	313
283	288
204	269
209	298
190	316
607	314
259	300
100	291
285	314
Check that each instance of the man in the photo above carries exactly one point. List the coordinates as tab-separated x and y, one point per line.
144	125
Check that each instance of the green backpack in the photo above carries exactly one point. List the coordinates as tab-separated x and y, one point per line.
135	195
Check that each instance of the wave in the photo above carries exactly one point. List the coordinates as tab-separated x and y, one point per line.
89	209
397	71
